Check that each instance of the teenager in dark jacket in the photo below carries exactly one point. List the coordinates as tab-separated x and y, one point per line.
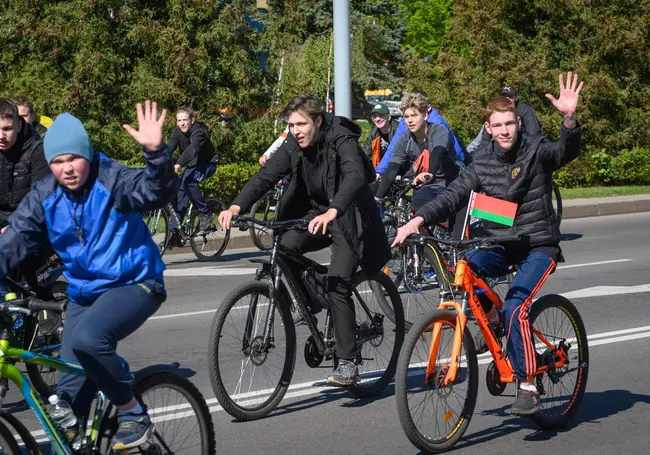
517	168
199	158
329	186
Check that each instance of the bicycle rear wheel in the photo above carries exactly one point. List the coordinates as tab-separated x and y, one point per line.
557	202
158	223
182	420
434	416
380	332
561	391
248	376
213	242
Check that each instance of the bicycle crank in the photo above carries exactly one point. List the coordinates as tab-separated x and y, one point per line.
493	380
313	357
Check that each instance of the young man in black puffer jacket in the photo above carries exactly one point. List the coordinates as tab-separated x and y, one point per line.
518	168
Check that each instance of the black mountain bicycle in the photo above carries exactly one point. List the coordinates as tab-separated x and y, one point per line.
249	343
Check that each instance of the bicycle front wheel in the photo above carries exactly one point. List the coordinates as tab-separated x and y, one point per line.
182	420
250	374
213	241
435	415
8	444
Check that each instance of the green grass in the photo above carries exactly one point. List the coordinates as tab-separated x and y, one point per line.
365	130
603	191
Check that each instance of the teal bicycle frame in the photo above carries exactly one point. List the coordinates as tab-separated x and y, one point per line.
8	371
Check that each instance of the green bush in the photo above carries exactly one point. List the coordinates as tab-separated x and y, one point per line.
228	180
600	168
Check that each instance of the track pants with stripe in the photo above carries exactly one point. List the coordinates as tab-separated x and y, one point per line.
533	270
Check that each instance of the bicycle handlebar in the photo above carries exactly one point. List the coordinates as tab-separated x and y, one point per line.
33	304
479	241
270	224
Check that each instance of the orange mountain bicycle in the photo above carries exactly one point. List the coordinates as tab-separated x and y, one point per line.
436	383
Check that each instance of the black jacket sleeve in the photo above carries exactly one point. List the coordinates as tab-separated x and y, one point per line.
452	199
138	190
352	174
40	168
560	153
200	145
25	232
367	146
277	167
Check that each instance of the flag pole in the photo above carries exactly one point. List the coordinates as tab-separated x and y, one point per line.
469	210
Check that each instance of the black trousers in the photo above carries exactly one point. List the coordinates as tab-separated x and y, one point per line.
339	276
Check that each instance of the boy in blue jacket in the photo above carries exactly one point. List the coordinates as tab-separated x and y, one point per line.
90	210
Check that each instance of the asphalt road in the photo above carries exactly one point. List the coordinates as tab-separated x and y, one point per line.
605	275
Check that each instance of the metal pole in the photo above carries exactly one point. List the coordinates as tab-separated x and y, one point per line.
342	79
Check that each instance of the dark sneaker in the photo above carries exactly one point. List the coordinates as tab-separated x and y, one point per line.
133	430
479	341
204	223
526	403
345	375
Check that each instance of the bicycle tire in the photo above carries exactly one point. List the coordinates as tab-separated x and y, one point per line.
34	372
419	440
390	226
164	217
193	396
31	446
566	306
255	230
558	202
8	444
216	377
216	206
363	389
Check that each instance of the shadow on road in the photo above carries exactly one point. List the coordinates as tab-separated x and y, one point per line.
595	407
348	400
569	237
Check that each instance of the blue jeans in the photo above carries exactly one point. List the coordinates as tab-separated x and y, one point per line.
534	269
190	189
90	336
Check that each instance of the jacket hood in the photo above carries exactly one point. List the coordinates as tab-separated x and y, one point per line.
336	126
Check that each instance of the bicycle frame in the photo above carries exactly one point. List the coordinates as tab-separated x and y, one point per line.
8	371
472	285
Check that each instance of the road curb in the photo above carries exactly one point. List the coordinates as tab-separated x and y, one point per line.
585	208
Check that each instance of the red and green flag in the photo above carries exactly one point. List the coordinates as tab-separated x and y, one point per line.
493	209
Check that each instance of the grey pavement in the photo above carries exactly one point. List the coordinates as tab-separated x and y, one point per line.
606	274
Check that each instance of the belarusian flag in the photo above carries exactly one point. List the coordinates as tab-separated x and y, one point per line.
493	209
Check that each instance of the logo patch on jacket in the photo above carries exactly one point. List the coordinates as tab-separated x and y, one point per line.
515	172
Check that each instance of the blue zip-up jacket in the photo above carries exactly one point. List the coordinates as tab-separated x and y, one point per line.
433	117
116	248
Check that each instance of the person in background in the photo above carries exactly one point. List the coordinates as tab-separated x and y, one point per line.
381	134
26	111
199	158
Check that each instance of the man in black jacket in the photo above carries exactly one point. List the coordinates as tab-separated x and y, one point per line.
329	186
22	162
199	158
515	167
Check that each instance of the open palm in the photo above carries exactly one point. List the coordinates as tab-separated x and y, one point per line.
149	132
569	95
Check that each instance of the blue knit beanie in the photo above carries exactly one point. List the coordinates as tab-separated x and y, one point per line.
67	135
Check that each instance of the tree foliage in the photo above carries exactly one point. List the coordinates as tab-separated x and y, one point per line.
427	24
528	43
